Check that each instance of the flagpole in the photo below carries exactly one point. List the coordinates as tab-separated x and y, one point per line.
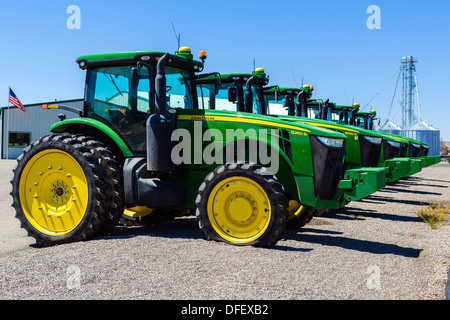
7	129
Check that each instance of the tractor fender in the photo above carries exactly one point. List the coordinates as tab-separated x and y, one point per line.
97	129
285	173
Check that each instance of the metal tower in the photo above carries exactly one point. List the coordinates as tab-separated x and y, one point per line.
408	69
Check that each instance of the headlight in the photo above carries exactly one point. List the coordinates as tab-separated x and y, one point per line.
394	144
332	142
415	145
425	146
374	140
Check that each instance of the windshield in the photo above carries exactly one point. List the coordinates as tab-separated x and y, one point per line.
361	122
257	103
208	99
313	111
108	99
337	116
277	107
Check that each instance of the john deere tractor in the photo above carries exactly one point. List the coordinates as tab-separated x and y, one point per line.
245	93
398	166
365	148
142	143
412	148
415	150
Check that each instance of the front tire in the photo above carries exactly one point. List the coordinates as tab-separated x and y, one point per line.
61	191
242	204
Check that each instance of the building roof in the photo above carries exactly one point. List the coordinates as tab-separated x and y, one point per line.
389	125
41	103
420	126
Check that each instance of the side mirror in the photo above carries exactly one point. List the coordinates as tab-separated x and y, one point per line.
248	95
132	94
289	102
324	113
216	86
134	78
353	117
232	94
302	107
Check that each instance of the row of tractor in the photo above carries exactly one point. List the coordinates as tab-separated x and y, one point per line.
158	139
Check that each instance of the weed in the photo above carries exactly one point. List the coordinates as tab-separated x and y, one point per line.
435	215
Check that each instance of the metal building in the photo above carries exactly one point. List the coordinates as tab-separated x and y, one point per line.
422	131
19	129
412	127
390	127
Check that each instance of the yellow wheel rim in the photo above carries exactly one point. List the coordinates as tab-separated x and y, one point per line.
239	210
53	192
137	212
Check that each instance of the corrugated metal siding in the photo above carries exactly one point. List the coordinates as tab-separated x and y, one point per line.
36	121
432	137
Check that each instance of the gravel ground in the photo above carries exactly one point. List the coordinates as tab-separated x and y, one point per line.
373	249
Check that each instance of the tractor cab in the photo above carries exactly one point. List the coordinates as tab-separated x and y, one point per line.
236	92
365	119
342	114
122	90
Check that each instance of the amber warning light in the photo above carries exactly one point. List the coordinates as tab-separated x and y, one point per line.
49	106
203	55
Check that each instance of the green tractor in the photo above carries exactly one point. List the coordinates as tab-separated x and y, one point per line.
143	143
413	148
244	92
365	148
393	155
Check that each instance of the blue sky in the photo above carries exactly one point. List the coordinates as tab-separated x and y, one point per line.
325	43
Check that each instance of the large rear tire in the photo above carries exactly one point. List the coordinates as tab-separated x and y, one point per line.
242	204
62	190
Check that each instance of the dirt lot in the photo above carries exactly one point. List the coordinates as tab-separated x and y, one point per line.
377	248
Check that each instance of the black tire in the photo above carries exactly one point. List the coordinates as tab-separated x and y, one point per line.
95	182
114	182
301	219
276	224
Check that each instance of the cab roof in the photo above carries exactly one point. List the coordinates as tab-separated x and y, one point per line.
178	59
231	77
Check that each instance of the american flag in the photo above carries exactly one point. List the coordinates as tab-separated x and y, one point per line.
14	101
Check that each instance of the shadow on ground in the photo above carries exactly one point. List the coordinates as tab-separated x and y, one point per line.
187	228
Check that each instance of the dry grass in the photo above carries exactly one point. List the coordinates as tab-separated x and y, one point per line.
435	215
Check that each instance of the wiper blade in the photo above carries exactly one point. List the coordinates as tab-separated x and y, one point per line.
114	83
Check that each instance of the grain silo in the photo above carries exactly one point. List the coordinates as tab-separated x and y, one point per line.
422	131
